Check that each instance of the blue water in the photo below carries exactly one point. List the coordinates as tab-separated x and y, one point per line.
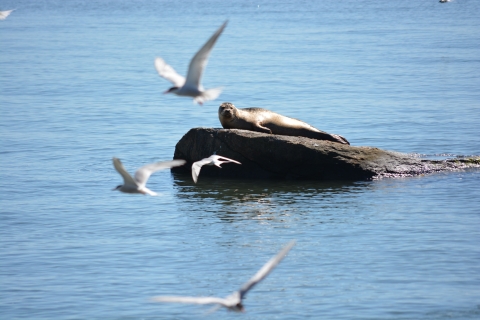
78	86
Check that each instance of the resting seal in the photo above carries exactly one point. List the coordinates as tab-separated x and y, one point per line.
262	120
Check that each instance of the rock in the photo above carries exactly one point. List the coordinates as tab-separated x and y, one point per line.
268	156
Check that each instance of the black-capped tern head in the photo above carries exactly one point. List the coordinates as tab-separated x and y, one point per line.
191	86
213	160
5	14
137	183
233	302
172	90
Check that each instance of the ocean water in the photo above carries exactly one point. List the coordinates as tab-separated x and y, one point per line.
78	87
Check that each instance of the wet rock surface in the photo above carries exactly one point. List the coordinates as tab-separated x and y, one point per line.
267	156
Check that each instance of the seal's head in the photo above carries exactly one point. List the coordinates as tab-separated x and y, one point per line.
227	110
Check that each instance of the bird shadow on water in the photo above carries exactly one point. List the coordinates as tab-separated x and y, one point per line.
234	199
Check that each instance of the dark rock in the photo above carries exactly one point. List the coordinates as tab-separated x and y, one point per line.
266	156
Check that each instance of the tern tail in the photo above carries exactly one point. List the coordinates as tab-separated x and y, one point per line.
207	95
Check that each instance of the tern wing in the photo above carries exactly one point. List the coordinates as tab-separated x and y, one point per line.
143	173
196	166
195	300
225	159
127	178
199	61
266	269
167	72
5	14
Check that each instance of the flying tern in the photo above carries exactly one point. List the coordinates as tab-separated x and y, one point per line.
213	160
191	87
233	302
137	184
5	14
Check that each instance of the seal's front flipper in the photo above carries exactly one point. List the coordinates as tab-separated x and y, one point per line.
259	128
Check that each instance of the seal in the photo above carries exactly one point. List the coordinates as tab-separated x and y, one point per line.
266	121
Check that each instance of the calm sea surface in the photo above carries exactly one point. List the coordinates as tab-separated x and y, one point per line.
78	86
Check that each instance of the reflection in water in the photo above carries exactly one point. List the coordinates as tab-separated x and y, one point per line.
233	199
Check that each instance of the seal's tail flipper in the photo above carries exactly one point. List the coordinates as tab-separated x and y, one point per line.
322	135
210	94
340	139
